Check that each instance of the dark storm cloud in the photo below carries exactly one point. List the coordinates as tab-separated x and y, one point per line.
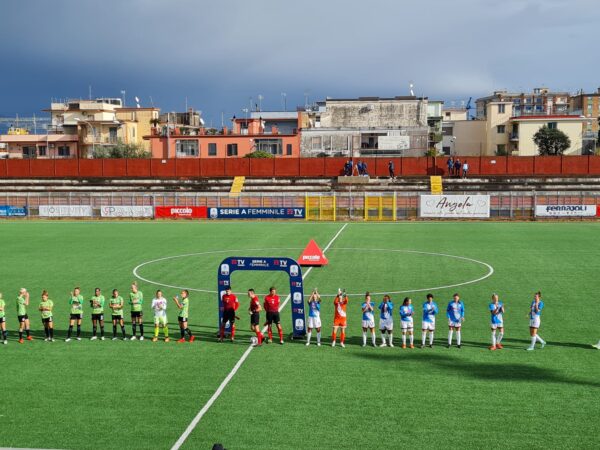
218	54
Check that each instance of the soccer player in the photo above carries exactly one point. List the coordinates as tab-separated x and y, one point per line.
116	304
314	316
406	320
136	300
229	305
368	320
46	307
3	319
182	317
456	316
535	314
430	310
271	305
386	320
76	302
497	322
22	304
339	317
254	311
159	306
97	304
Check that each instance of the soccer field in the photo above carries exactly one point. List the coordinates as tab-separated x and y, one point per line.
142	395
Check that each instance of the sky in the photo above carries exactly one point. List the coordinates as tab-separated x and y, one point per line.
218	55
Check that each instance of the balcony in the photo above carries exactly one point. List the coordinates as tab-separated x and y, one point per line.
514	136
98	140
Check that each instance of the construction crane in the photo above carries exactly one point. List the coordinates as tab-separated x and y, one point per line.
23	125
469	107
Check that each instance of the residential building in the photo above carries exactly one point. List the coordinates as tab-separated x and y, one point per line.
454	113
367	126
588	105
541	101
434	122
41	146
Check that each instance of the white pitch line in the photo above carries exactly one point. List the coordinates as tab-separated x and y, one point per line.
237	366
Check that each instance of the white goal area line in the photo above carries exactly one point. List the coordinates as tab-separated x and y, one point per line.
237	366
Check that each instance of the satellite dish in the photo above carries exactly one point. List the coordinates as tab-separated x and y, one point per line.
201	121
410	87
137	100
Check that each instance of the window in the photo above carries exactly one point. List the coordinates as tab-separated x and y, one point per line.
501	129
64	151
42	150
501	149
187	147
501	108
28	152
272	146
316	143
288	149
232	150
212	149
552	125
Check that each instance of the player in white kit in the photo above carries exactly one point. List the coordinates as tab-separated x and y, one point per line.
406	320
535	320
456	316
314	316
368	320
497	322
430	310
386	320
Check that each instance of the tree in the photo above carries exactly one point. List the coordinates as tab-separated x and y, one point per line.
551	141
259	154
121	150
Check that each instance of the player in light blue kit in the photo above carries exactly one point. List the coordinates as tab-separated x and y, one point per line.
430	310
406	320
314	317
456	316
535	319
386	320
368	320
497	322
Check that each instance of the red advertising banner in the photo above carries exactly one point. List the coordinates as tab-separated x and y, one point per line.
180	212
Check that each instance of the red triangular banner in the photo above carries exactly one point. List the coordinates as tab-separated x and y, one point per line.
313	255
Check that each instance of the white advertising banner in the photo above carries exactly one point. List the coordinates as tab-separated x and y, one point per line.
127	211
455	206
565	210
393	142
65	211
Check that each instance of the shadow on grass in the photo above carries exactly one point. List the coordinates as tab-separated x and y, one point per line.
496	372
526	342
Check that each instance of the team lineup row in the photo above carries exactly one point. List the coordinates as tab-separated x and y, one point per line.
455	313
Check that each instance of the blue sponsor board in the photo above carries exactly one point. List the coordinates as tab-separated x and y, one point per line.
256	213
13	211
287	265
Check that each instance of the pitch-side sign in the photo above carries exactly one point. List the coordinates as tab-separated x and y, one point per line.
13	211
127	211
180	212
256	213
565	210
455	206
65	211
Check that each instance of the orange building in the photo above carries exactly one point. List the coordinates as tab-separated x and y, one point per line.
259	132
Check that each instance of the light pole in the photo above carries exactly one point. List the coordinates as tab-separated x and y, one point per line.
93	133
284	100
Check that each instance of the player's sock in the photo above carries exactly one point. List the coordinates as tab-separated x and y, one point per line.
458	337
450	337
533	340
404	339
4	335
423	337
101	331
280	332
318	337
189	332
123	330
114	331
70	331
27	331
383	338
182	331
270	332
166	331
364	338
373	338
333	336
232	331
94	328
155	331
222	332
499	338
141	329
259	336
51	331
493	338
308	335
343	337
78	330
46	333
412	339
20	335
134	327
431	338
540	340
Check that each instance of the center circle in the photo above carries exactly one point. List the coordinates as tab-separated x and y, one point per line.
237	252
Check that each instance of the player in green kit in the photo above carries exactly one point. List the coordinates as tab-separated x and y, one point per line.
97	304
76	302
46	307
22	304
116	304
182	317
136	300
3	319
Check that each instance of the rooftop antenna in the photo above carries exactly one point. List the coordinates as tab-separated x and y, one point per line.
306	96
123	92
90	91
186	105
410	88
284	100
260	99
151	101
137	102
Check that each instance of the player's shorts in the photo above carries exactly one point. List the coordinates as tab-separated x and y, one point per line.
117	318
136	314
22	319
47	320
368	323
2	319
98	316
407	324
76	316
182	319
453	324
340	322
386	324
535	322
496	326
273	318
255	319
228	316
428	326
314	322
160	320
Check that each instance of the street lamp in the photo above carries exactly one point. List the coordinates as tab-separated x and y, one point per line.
93	133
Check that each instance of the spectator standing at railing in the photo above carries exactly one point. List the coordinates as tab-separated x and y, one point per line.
457	166
391	170
465	169
450	164
359	167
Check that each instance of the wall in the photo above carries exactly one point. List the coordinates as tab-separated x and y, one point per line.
527	128
291	167
376	113
470	137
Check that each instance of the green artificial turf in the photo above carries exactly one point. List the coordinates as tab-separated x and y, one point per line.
94	394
